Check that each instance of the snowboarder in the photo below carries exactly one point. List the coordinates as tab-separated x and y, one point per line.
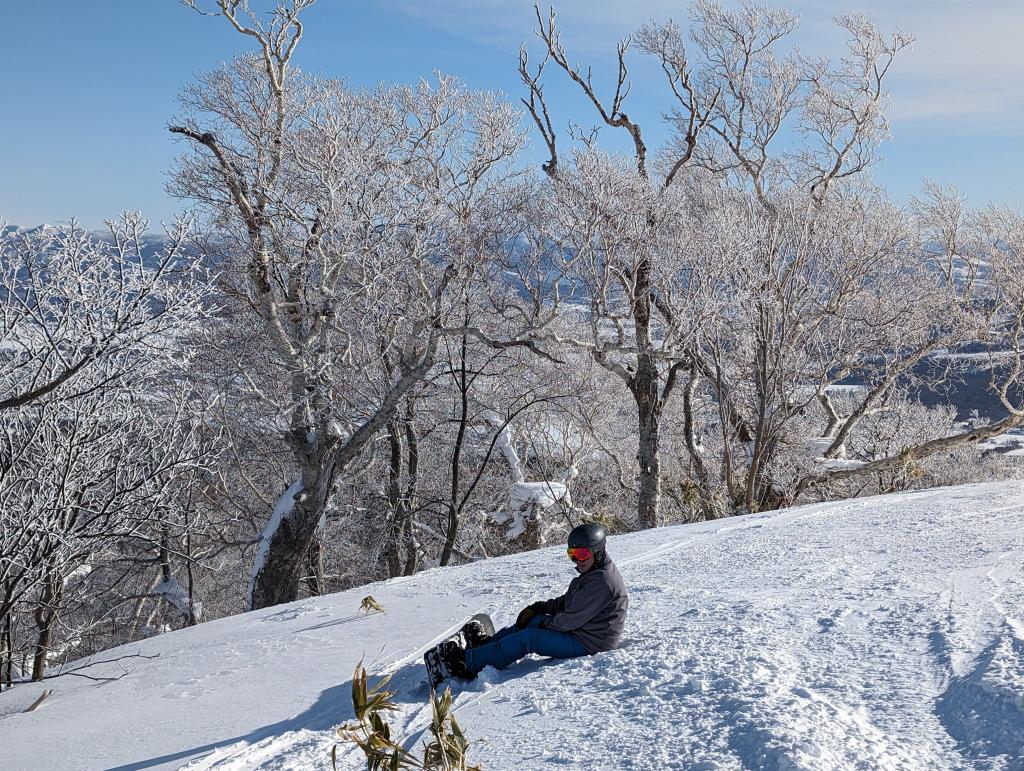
587	619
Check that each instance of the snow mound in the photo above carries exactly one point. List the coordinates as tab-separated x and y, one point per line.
524	499
881	633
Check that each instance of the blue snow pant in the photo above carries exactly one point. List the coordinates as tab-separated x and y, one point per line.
511	643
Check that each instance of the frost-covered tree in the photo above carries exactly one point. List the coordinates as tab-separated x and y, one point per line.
627	229
977	260
356	216
99	427
750	269
72	302
457	458
810	298
79	482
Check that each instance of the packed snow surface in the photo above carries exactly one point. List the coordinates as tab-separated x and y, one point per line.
883	633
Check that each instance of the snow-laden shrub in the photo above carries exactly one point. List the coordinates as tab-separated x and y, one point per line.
446	751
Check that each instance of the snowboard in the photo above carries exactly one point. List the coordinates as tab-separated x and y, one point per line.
436	670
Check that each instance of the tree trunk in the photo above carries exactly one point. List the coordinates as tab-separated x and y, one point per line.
140	605
454	507
44	625
315	567
833	416
192	620
394	495
278	578
282	571
412	470
164	554
648	404
411	554
702	505
647	393
7	652
46	617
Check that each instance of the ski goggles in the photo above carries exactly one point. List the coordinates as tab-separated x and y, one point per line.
580	554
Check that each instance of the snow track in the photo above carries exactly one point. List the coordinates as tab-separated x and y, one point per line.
882	633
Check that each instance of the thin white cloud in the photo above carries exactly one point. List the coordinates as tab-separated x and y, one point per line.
967	65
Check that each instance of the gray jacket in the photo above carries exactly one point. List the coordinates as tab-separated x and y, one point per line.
593	608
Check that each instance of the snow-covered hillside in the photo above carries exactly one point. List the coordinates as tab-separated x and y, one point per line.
880	633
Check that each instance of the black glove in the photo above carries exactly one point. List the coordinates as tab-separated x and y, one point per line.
526	614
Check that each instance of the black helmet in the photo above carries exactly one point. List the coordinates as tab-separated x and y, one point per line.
589	535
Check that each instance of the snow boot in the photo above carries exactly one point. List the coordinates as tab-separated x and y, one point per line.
475	634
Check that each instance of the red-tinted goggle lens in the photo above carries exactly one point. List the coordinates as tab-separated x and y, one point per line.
580	554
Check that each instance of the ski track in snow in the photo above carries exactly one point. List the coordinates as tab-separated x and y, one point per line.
883	633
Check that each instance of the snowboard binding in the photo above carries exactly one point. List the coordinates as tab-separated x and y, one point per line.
448	658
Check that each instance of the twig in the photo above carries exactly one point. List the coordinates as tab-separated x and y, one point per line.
42	697
76	671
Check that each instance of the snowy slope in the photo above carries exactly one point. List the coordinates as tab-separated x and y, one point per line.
879	633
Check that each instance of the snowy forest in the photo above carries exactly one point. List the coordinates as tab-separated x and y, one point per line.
423	325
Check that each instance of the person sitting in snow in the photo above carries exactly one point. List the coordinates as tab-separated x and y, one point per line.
587	619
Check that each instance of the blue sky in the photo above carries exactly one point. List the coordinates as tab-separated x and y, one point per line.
89	87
